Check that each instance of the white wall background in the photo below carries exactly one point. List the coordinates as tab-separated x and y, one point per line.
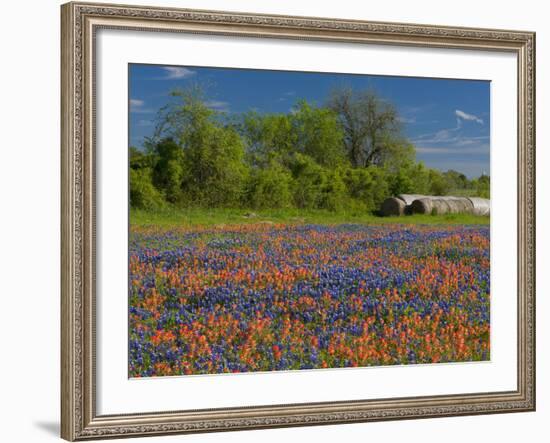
29	218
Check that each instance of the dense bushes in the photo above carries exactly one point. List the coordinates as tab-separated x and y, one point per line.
367	187
143	194
270	187
295	160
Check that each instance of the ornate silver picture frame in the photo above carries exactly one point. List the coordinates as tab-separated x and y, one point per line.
80	23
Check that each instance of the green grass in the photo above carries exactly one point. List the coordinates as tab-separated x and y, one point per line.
208	217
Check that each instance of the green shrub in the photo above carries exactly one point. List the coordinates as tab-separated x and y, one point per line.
309	179
318	134
438	184
333	192
410	178
483	186
143	194
270	188
368	186
401	183
168	171
215	172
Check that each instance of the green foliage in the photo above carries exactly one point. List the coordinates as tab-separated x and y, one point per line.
317	187
401	183
183	117
367	186
410	178
143	195
309	179
420	177
215	171
318	134
370	125
482	186
168	169
346	157
308	130
139	159
200	161
270	187
397	154
438	184
333	191
269	138
456	180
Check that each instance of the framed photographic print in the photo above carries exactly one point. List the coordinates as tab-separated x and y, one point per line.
282	221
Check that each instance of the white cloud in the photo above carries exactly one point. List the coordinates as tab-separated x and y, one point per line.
286	96
467	141
461	115
443	135
176	73
135	103
416	109
453	140
406	120
452	137
449	137
217	105
138	107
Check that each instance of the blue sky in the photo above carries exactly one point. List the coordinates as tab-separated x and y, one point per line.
448	121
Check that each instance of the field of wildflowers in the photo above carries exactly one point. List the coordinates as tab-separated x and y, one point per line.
266	297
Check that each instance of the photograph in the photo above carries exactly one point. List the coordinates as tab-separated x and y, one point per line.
287	220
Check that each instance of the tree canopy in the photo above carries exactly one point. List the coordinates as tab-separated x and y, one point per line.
370	126
348	154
